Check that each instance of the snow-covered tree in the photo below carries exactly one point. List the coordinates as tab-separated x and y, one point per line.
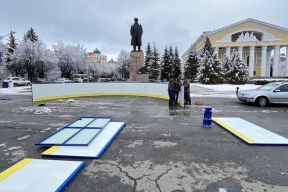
70	59
171	62
54	74
30	55
123	63
166	67
176	64
237	73
207	47
148	57
11	46
31	35
192	64
226	66
210	70
154	70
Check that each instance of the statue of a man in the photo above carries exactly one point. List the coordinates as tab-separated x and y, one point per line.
136	32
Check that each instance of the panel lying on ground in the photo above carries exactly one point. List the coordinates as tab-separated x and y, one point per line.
36	175
250	133
94	150
78	133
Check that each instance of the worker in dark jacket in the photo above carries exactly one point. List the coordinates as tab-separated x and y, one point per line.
171	91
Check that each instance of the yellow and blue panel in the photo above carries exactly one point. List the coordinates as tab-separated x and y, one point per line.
80	132
249	132
36	175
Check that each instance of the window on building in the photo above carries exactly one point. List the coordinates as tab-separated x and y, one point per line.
254	72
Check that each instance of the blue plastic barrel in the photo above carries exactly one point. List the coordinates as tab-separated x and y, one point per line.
207	122
5	84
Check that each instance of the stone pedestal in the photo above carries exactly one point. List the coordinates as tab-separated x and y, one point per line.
136	62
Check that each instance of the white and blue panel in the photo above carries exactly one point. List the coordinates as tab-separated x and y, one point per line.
81	132
94	150
35	175
249	132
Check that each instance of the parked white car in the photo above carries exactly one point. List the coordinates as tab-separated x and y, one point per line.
63	80
18	81
275	92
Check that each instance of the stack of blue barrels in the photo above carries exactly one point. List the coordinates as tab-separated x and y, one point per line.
207	121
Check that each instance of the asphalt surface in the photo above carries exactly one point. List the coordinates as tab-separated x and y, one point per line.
161	148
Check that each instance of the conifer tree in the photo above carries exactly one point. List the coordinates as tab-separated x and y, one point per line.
165	65
237	73
210	70
191	66
154	64
176	64
226	66
148	57
207	47
30	35
171	62
11	46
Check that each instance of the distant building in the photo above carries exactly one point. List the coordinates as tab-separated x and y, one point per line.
96	56
254	40
112	61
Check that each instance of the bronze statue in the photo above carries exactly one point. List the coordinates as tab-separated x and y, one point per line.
136	32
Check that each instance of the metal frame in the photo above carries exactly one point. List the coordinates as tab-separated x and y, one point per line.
64	143
77	156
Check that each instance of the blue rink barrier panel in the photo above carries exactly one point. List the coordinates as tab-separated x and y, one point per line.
35	175
94	150
250	133
80	132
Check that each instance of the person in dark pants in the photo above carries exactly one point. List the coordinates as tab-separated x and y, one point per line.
171	91
178	86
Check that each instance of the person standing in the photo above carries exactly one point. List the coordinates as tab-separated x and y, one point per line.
171	91
186	84
178	86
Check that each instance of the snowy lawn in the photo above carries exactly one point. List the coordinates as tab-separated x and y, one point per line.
25	90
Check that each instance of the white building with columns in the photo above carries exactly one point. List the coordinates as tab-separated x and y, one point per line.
254	40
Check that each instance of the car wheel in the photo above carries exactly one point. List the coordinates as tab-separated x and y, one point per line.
28	83
262	101
15	85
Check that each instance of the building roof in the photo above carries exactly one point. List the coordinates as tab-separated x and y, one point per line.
257	22
96	51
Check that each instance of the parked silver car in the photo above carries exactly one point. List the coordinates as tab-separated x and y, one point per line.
63	80
18	81
276	92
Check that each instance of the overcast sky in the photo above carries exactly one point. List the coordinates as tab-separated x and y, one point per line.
105	24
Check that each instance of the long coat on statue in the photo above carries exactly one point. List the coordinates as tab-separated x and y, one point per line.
136	32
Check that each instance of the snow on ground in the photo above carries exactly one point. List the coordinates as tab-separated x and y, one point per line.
26	90
226	87
220	90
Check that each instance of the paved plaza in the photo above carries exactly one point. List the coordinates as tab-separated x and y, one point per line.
160	149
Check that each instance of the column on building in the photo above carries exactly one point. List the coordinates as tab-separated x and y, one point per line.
268	63
216	50
228	51
286	65
251	61
276	61
240	51
263	61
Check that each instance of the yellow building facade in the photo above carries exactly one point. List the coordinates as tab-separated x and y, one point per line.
96	56
254	40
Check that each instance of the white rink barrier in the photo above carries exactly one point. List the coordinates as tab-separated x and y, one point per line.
52	91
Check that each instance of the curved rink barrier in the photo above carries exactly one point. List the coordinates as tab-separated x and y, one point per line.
52	91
